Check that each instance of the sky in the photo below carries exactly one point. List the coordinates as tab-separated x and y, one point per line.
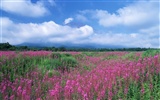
126	23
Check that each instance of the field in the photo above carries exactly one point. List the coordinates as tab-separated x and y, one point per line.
46	75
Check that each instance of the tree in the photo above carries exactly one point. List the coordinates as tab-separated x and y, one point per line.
62	49
5	46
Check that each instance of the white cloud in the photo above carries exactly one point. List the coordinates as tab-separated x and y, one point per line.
24	7
152	30
137	25
136	14
153	33
81	18
133	35
124	39
17	33
68	20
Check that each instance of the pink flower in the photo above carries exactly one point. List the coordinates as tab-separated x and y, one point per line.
79	89
38	99
12	97
24	92
52	92
85	96
126	90
142	90
151	86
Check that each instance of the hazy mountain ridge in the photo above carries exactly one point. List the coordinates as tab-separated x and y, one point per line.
69	45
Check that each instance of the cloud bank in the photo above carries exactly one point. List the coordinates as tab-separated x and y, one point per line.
17	33
24	7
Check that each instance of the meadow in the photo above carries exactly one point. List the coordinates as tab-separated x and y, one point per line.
46	75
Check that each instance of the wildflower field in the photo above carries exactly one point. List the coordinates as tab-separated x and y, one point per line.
46	75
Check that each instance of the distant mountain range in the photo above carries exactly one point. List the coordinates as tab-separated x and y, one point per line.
69	45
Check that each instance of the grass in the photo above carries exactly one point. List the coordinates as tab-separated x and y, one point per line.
111	57
130	56
149	53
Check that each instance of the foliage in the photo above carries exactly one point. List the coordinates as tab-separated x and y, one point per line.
150	53
89	53
111	57
59	61
130	56
43	75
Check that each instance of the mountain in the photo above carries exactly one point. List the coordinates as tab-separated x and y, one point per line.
69	45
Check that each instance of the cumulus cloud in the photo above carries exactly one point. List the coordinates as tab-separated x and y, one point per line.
68	20
138	14
24	7
17	33
140	19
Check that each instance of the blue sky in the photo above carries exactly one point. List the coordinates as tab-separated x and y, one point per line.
128	23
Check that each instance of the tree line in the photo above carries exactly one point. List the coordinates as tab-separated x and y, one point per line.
9	47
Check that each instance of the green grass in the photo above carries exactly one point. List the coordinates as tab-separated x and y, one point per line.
58	62
91	54
109	57
150	53
130	56
20	65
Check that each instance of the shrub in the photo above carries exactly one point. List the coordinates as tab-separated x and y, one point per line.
56	55
60	62
67	54
67	63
